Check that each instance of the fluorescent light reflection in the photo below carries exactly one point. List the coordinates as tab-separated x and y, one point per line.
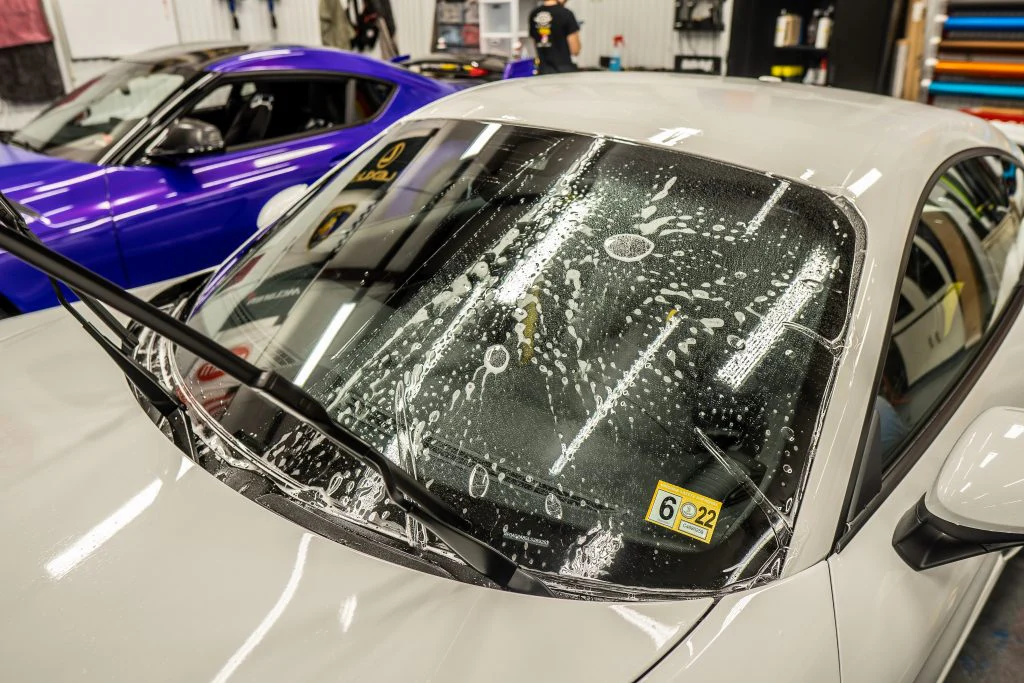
755	224
481	140
94	539
788	306
859	187
660	633
605	406
273	615
1014	432
324	342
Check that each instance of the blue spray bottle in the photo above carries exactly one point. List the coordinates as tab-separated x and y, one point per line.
616	61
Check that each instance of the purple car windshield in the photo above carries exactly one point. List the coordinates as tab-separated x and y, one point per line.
611	358
85	123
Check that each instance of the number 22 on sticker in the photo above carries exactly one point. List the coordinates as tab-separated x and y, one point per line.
684	512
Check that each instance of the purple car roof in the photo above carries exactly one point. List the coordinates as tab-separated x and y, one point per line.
241	57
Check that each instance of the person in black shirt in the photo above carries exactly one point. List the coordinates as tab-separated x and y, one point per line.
556	35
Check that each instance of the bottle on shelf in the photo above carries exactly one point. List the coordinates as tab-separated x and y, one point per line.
824	32
787	29
616	61
812	27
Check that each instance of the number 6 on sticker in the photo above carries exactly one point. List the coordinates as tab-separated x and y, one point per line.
684	512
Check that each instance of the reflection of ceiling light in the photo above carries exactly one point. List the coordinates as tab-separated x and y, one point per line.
1014	432
481	140
755	224
670	137
738	368
860	186
522	277
257	636
605	406
94	539
660	633
324	342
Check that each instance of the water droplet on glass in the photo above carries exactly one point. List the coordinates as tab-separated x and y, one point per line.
479	480
735	342
740	275
787	433
628	247
496	359
553	506
787	469
812	285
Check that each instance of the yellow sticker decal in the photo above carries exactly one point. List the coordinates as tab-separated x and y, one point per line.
684	512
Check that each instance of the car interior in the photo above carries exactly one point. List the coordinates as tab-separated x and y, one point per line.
260	110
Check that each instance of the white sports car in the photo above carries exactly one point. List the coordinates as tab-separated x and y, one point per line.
581	378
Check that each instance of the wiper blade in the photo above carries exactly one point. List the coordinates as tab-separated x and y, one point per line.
23	144
407	493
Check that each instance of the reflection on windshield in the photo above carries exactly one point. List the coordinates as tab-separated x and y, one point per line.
85	123
611	358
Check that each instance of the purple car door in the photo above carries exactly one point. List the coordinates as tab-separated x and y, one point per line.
281	132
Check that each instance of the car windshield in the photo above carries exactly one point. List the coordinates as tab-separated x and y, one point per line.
610	357
84	124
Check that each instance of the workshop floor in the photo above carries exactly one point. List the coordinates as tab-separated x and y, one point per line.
994	652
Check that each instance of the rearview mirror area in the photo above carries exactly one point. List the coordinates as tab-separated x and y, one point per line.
187	138
976	505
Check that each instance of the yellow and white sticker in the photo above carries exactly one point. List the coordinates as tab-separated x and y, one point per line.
684	512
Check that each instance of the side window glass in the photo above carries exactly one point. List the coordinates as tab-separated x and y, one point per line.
965	260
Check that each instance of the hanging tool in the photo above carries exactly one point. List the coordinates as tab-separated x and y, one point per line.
233	8
273	17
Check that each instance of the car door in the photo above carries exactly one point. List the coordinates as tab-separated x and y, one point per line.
948	360
281	131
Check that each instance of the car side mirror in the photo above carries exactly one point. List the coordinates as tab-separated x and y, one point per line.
976	505
186	138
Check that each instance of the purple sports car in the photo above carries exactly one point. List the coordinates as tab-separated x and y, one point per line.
167	163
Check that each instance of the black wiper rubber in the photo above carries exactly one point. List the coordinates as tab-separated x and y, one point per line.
406	492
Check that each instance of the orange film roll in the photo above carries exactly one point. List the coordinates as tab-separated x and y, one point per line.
980	69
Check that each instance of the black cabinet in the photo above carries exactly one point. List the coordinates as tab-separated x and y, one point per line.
859	53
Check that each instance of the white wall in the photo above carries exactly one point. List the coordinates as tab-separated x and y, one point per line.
647	26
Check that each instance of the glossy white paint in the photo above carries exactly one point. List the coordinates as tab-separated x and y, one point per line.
878	597
132	564
982	483
785	632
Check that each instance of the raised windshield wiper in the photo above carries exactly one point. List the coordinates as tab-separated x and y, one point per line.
406	492
12	140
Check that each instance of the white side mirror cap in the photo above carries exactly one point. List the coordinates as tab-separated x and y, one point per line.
981	485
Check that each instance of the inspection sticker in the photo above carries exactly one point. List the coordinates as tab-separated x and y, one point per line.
684	512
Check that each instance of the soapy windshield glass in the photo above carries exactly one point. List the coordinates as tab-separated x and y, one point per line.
609	357
87	122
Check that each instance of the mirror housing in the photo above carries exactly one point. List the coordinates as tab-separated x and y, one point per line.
976	505
186	138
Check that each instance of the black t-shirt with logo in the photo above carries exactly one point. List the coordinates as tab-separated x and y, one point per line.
550	28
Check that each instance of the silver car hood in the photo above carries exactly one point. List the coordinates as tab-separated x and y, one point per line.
123	561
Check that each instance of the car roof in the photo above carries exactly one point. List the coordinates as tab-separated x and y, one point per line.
228	57
826	137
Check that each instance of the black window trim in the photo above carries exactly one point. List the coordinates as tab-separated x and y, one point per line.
851	521
135	153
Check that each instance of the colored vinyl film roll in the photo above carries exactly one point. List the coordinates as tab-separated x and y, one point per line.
1001	46
979	69
995	90
985	24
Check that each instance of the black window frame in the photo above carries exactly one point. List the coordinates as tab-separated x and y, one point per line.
868	475
136	155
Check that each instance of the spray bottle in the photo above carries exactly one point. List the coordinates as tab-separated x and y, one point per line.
616	61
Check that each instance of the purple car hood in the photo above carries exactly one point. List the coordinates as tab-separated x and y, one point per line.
46	183
126	562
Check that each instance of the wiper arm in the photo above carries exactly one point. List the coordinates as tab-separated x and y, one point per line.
23	144
162	400
406	492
